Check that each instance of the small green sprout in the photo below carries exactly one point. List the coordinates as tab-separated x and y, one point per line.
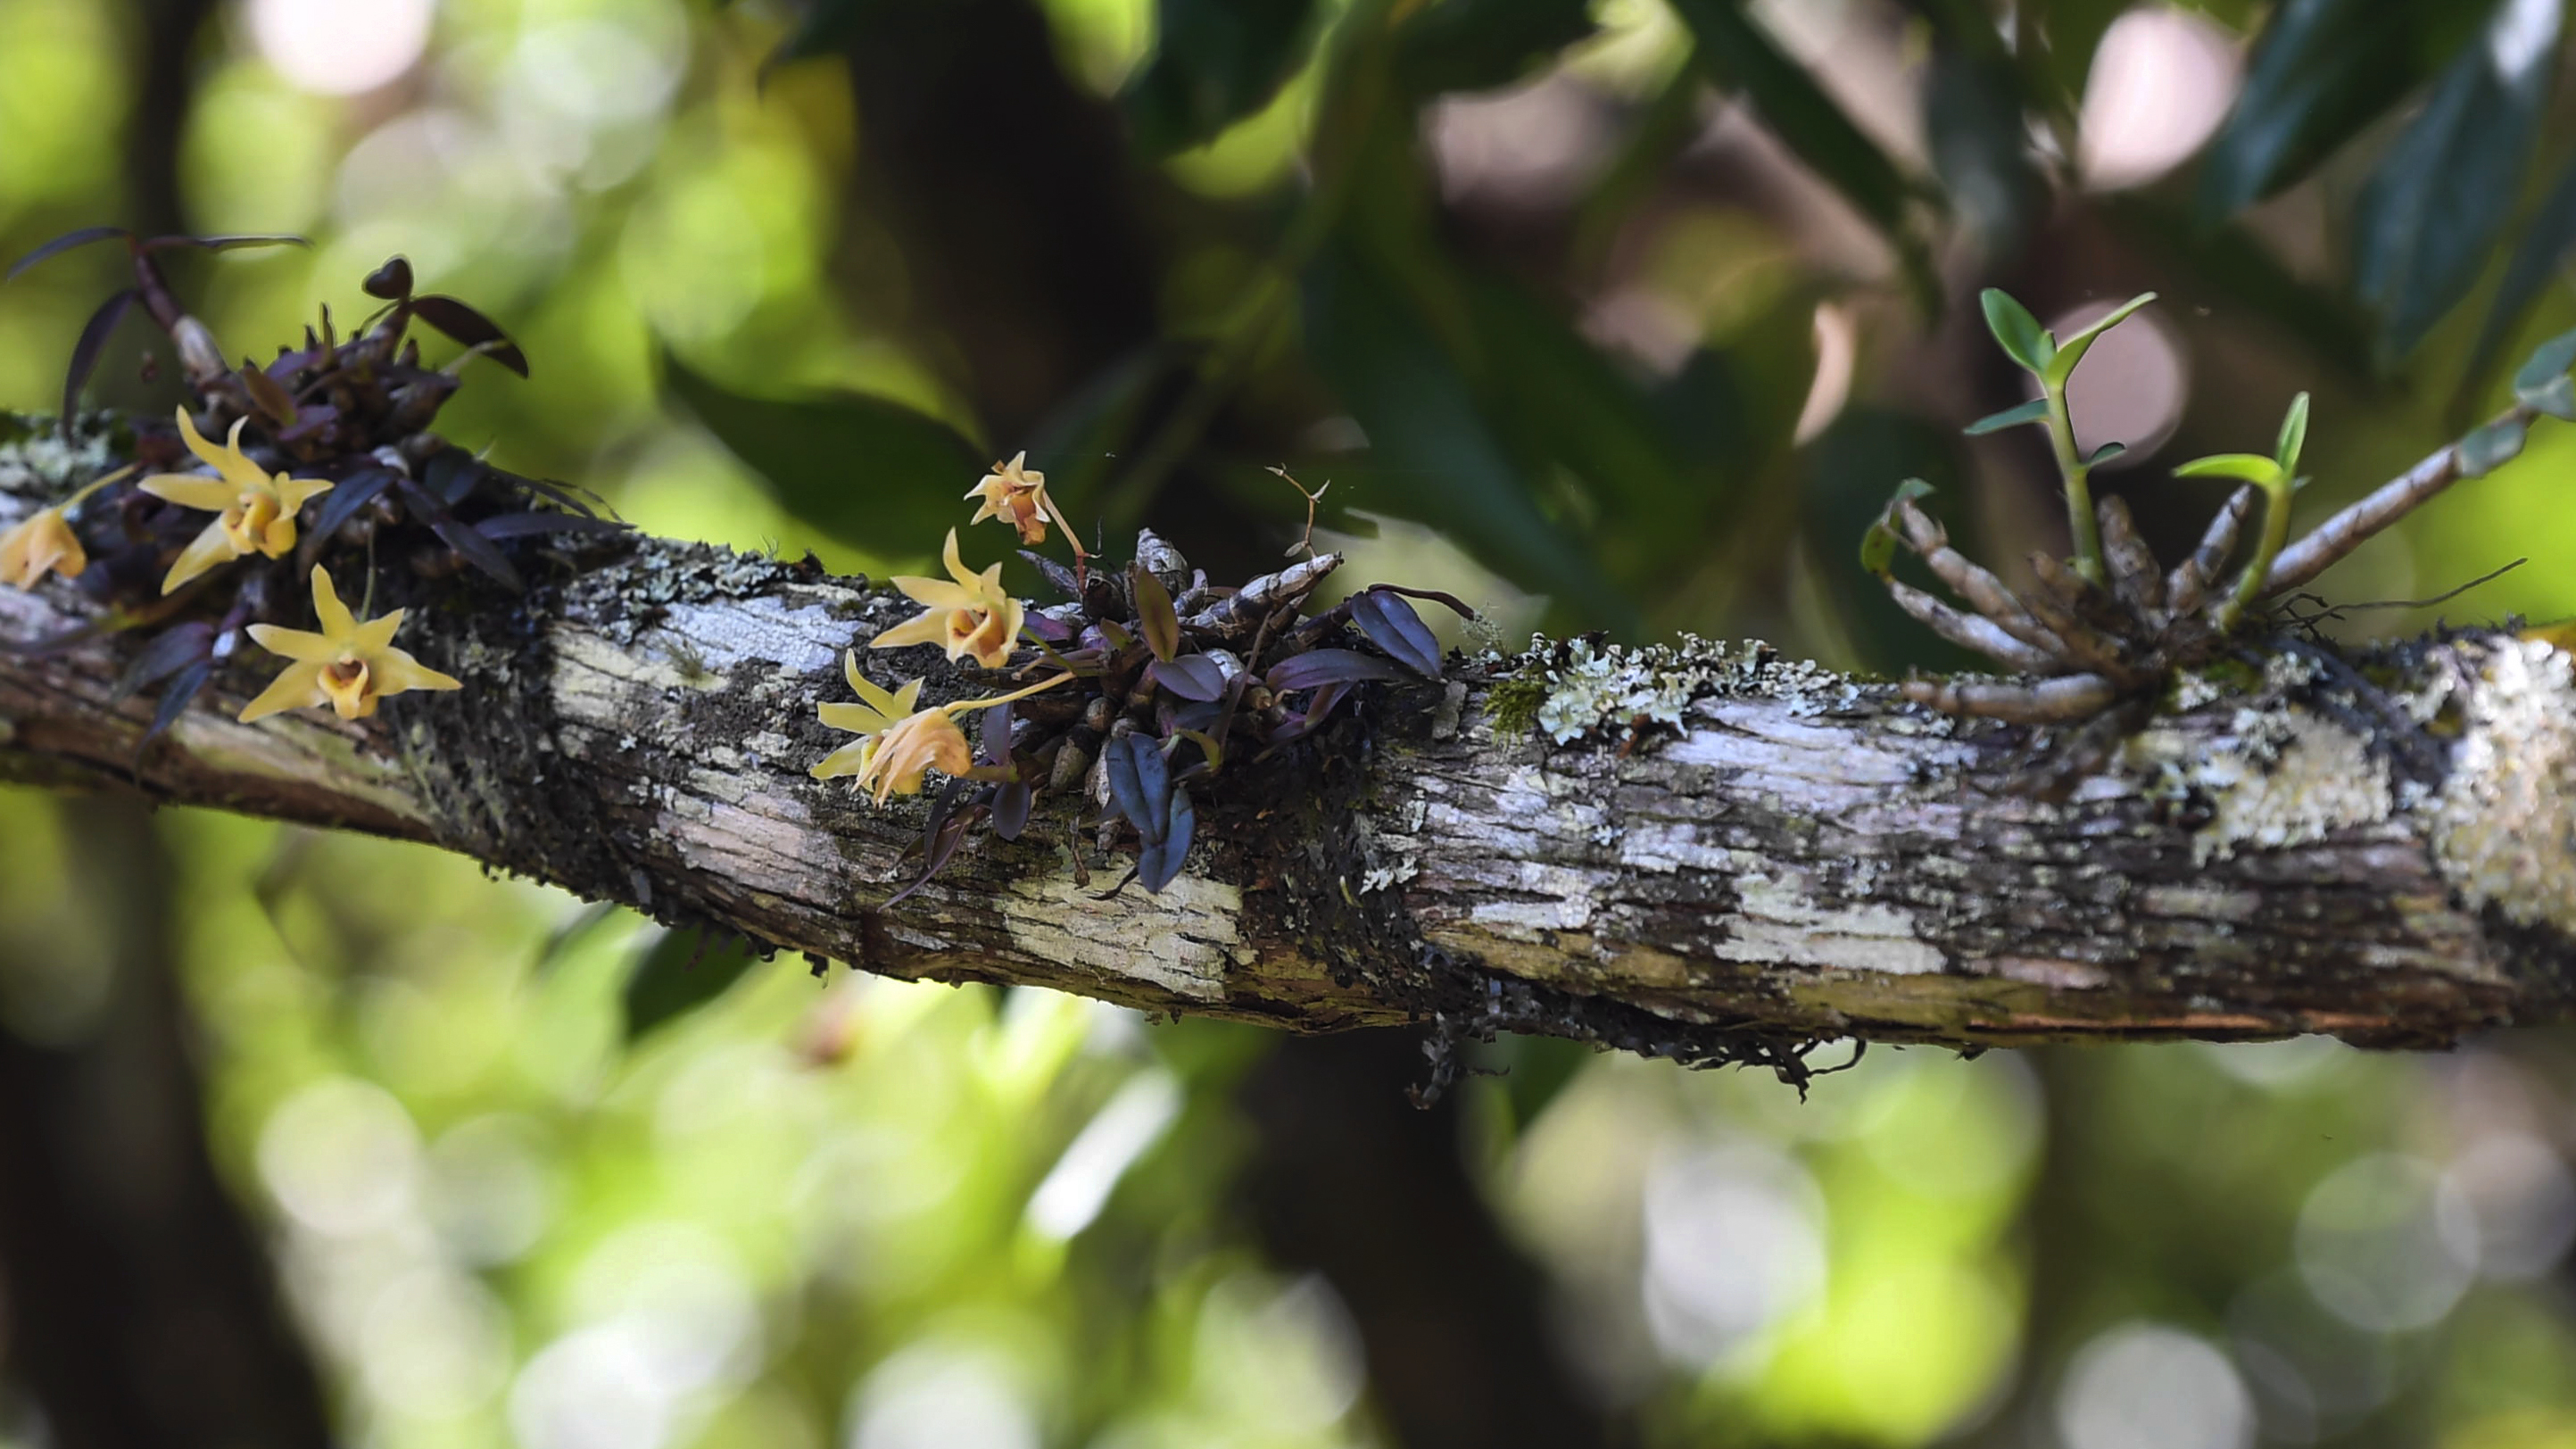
2053	363
2278	477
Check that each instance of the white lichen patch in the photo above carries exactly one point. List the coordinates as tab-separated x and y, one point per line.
2282	778
1616	687
1778	921
43	463
2504	825
765	629
1183	941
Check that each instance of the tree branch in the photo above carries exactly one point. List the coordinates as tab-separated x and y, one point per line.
1801	857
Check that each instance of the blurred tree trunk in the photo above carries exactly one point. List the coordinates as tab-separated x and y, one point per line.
144	1312
1352	1182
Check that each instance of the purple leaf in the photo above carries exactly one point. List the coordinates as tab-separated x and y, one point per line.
61	244
170	651
519	525
472	328
85	352
1390	624
1011	808
348	496
1154	613
1192	677
1328	666
1141	783
183	687
1160	861
391	282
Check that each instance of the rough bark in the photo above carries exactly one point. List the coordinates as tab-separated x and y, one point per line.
1796	857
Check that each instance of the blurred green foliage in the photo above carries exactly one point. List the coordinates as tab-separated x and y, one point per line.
1621	315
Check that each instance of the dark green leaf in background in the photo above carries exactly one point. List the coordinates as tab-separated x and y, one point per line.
1215	62
2229	272
1849	471
1980	140
2321	71
2441	195
863	469
2546	243
1440	458
1742	57
680	972
1474	45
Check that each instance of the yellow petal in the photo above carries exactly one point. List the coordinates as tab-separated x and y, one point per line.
210	548
936	593
849	759
277	539
927	628
295	644
294	493
956	564
396	672
904	697
375	634
190	491
299	686
207	453
337	623
856	718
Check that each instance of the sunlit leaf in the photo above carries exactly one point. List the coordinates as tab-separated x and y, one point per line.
2251	467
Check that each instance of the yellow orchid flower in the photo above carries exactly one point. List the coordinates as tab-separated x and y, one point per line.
348	666
1017	495
897	743
973	616
256	509
43	543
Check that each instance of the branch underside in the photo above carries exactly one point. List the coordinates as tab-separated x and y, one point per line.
1800	857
